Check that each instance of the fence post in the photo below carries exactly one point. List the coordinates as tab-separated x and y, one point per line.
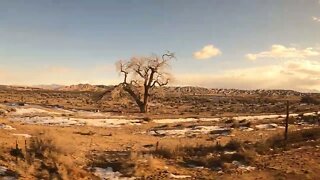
287	122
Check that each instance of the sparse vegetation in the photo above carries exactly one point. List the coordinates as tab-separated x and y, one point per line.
309	100
295	139
213	156
75	150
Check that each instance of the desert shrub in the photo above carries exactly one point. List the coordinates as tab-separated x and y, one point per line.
210	156
240	156
122	162
211	162
311	119
233	145
262	147
295	139
198	150
292	120
42	147
164	152
146	119
88	133
17	152
309	100
310	134
44	159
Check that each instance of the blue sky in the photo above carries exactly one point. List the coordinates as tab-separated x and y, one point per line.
78	41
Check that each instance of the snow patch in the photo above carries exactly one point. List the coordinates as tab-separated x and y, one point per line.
7	127
243	167
271	126
238	118
108	173
190	131
23	135
65	121
3	170
179	176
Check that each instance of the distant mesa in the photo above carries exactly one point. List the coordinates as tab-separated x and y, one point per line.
172	90
83	87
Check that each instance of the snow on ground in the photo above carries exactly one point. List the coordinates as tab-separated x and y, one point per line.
33	114
108	173
29	109
66	121
3	174
181	120
179	176
56	116
238	118
23	111
39	110
23	135
3	170
271	126
243	167
258	117
190	131
7	127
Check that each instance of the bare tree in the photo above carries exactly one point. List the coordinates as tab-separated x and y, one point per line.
142	74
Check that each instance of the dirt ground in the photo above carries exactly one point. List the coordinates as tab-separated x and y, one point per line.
33	146
302	163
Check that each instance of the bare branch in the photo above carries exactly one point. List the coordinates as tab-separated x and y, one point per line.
146	73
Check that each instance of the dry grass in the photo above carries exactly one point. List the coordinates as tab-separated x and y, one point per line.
213	156
41	158
122	162
295	139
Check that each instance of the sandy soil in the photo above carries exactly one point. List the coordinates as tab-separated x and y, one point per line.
77	142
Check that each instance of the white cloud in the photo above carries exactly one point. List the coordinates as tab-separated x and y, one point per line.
207	52
317	19
281	52
302	75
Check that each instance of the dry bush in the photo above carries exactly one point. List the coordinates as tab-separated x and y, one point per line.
164	152
295	139
123	162
213	156
233	145
311	119
42	147
43	159
310	100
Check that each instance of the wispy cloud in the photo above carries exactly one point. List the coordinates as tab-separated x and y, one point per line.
317	19
207	52
282	52
292	74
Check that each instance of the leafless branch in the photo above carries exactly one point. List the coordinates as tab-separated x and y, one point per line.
146	72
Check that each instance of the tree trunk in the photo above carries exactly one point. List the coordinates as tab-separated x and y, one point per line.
142	105
145	99
143	108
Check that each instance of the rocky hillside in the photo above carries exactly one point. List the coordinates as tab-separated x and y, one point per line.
83	87
175	91
188	90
